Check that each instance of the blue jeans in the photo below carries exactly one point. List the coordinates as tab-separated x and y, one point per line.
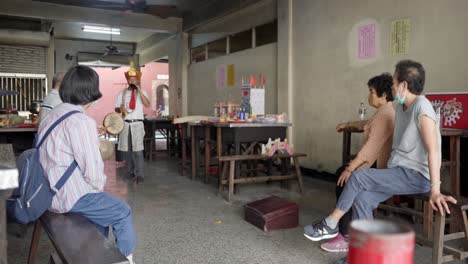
367	188
104	211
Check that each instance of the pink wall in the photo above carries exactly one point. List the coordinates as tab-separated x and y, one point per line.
111	82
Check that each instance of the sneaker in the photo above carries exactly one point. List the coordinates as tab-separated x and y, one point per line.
338	244
139	179
342	261
320	231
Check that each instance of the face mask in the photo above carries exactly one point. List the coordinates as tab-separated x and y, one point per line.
400	99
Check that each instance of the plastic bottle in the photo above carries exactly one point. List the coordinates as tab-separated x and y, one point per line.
438	118
362	112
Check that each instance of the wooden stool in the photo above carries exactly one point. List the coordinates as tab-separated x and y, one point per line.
439	246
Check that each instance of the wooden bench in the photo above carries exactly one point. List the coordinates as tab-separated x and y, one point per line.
228	163
437	238
76	240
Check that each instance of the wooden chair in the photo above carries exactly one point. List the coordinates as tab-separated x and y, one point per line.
441	252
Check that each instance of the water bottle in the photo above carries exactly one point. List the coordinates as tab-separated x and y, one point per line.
438	118
362	112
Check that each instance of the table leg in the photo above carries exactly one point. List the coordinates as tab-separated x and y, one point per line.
194	168
219	146
207	153
346	147
197	151
454	172
184	147
428	221
35	242
455	165
237	166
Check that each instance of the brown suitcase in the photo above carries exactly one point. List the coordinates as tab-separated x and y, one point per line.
272	213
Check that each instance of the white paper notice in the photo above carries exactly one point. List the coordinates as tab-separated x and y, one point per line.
257	101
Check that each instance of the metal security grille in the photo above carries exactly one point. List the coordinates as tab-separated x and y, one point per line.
29	87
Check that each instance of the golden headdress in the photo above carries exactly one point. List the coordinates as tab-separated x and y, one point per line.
133	72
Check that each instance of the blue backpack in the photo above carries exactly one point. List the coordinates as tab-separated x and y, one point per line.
34	195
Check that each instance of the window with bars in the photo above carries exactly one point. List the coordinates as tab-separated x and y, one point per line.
19	90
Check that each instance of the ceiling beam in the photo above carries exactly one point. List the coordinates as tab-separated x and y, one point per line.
55	12
212	11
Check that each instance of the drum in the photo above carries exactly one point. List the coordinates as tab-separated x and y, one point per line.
113	123
106	148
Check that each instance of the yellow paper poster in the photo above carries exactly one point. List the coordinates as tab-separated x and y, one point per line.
230	75
401	29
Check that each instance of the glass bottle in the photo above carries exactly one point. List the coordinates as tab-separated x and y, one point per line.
362	112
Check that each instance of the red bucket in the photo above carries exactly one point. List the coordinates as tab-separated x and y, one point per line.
380	242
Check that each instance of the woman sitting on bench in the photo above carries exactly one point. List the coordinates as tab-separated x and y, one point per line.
414	164
376	147
76	138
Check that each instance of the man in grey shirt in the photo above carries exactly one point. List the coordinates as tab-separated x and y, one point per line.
53	98
414	165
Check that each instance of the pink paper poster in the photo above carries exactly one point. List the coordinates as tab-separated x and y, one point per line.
366	41
221	77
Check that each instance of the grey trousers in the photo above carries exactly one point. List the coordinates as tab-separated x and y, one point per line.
367	188
134	160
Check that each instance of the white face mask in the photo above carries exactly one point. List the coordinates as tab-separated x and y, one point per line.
400	98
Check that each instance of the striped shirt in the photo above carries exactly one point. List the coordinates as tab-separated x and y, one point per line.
377	143
49	102
75	138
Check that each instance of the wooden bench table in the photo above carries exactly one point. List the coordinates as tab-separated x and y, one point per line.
75	239
229	163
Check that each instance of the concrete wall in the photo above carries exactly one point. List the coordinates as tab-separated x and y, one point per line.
329	82
202	79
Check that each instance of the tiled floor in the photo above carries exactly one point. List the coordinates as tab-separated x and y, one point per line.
183	221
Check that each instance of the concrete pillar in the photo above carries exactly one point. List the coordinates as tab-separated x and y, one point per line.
184	73
284	65
50	63
178	53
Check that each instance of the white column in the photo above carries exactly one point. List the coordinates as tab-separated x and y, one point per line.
185	63
284	64
50	63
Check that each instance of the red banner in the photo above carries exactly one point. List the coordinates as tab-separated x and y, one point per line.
453	107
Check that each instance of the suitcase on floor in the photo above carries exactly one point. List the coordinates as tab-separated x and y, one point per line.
272	213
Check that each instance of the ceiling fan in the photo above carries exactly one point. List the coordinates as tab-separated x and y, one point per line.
113	50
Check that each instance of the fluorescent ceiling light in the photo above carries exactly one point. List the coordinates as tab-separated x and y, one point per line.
102	30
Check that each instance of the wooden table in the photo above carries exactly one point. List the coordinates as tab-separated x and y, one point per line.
8	181
21	138
237	133
165	127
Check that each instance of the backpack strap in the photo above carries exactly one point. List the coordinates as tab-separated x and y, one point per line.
65	116
72	166
64	177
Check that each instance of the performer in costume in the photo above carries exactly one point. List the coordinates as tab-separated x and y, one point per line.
130	103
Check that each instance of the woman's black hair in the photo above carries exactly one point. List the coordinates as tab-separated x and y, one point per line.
382	84
80	86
